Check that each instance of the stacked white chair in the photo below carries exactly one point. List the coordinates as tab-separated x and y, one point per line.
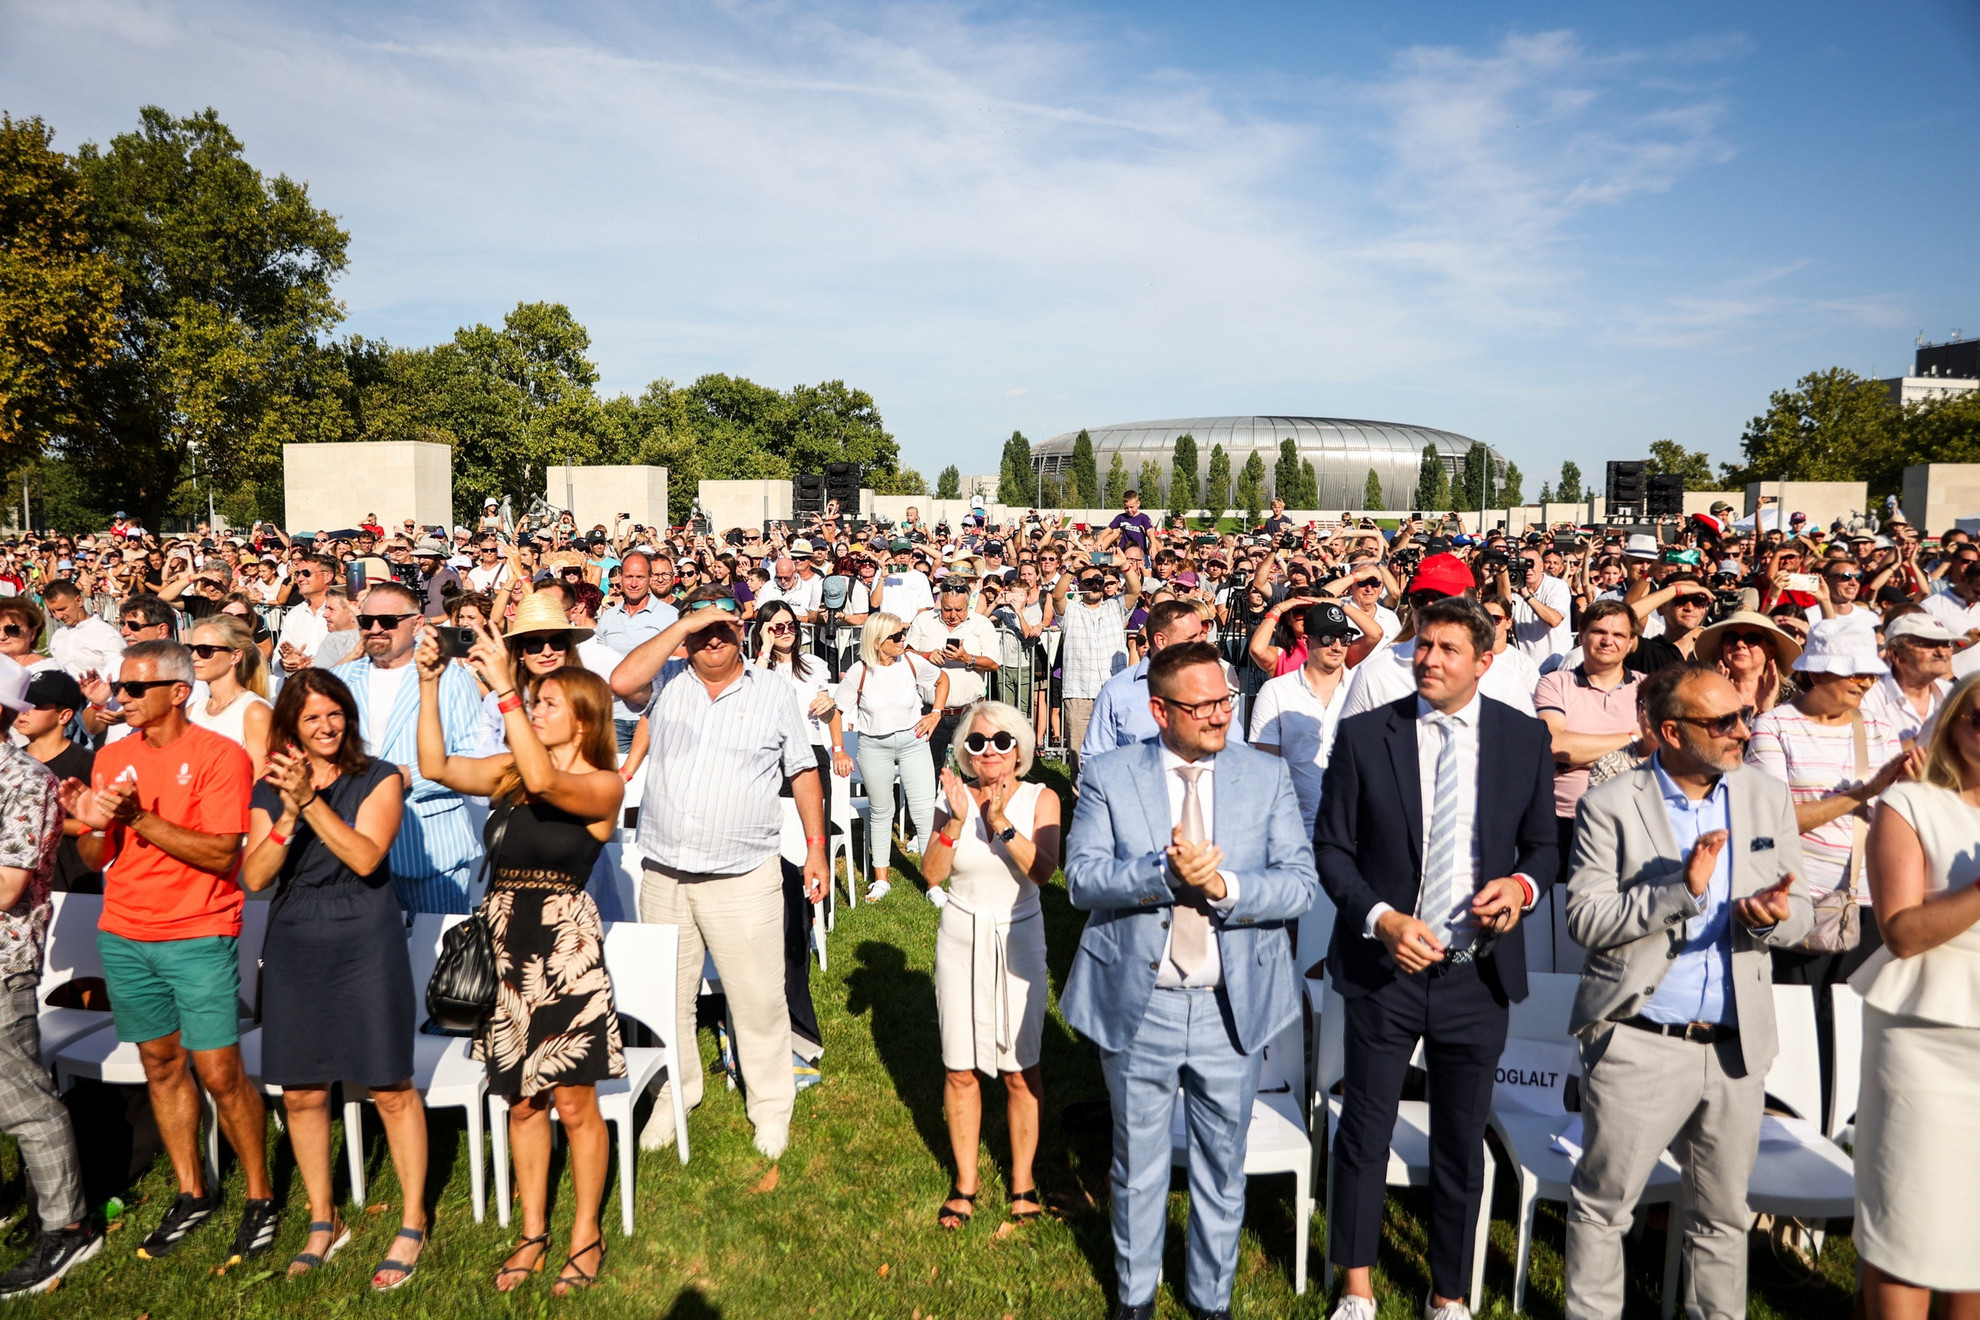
69	954
1529	1112
838	847
1846	1071
791	848
1409	1144
641	959
1800	1174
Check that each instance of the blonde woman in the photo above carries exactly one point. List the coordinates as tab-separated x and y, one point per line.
235	672
883	695
996	841
1916	1141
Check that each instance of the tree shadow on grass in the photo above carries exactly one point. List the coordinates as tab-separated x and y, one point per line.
693	1304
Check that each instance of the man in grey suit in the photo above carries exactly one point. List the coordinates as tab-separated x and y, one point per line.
1685	876
1192	859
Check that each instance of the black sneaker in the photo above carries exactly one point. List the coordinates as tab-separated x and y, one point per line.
259	1220
52	1256
187	1213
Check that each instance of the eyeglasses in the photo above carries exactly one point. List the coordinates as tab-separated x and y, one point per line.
723	603
1199	710
207	650
1722	726
976	744
137	689
531	643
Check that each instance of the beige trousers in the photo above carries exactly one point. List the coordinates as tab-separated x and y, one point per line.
739	921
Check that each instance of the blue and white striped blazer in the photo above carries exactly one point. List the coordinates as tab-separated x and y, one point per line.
438	832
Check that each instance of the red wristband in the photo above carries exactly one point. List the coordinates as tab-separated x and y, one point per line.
810	839
279	840
944	839
511	702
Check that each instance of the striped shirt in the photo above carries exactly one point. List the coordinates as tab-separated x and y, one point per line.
715	768
1094	645
1815	760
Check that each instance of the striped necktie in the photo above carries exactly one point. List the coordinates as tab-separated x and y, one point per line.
1439	898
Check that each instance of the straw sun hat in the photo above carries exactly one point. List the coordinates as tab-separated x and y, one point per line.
540	613
1786	649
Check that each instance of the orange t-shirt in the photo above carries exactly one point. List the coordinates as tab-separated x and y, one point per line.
202	781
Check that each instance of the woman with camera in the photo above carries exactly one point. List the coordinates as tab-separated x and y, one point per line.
554	1033
996	841
336	990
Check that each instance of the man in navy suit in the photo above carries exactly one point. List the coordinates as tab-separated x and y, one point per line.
1436	834
1191	856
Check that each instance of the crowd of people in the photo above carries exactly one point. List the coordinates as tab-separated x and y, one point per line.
1727	755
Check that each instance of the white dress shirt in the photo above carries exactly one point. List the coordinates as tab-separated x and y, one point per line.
1387	676
1466	861
1535	638
304	628
1211	971
1886	701
1291	716
92	646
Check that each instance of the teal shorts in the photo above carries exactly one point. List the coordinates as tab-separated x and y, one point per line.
158	987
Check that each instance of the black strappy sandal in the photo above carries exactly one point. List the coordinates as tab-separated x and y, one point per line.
536	1267
1026	1216
340	1233
945	1212
581	1280
401	1268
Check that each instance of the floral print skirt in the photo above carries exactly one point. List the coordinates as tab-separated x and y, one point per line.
554	1023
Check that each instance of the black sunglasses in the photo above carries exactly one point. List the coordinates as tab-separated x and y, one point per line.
1722	726
207	650
976	744
140	687
12	630
384	621
895	637
543	642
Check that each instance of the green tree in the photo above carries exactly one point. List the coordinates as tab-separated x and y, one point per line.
1832	426
1512	494
59	296
1942	431
1285	475
1216	486
1371	491
1117	481
1569	491
225	280
1183	475
1015	484
1309	486
1085	469
1694	465
901	481
1433	482
1149	482
1251	488
1546	493
948	483
1479	492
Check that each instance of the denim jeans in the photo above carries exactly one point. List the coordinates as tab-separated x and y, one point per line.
881	760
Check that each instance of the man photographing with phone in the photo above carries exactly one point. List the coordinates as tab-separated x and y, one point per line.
954	638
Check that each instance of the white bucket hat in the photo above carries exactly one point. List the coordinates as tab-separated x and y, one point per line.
1837	646
13	685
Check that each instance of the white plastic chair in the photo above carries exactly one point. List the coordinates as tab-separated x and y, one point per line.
1846	1075
1800	1173
68	954
444	1074
1409	1143
1529	1112
791	848
1277	1141
640	957
838	846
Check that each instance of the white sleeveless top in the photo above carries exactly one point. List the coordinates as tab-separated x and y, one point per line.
982	875
231	722
1942	984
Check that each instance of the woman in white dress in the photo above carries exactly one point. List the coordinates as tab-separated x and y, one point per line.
1917	1141
996	841
226	659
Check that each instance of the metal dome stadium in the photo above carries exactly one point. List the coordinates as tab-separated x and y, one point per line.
1341	449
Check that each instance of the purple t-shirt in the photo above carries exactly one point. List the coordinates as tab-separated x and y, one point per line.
1135	527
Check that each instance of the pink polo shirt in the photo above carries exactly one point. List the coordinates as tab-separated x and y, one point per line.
1588	709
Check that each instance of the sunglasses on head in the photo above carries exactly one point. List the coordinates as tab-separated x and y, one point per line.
137	688
723	603
976	743
385	621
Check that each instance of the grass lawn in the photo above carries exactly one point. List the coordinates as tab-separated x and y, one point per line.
849	1231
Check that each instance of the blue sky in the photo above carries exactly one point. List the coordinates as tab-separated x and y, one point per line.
1567	230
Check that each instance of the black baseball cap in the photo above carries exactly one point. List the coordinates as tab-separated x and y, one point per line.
1327	619
50	688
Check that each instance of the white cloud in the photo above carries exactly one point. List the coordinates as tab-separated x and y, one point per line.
929	202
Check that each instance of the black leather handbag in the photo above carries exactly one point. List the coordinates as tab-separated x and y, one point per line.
460	996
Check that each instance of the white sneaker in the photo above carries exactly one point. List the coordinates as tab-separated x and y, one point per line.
1353	1307
1448	1311
878	890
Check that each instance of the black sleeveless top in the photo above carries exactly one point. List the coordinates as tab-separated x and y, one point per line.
544	838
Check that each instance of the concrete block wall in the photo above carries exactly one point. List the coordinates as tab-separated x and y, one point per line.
335	485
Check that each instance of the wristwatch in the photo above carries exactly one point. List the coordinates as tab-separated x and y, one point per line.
1006	834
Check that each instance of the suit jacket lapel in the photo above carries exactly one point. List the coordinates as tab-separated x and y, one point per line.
1409	788
1155	801
1650	805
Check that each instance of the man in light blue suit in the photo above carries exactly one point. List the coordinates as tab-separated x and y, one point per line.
1191	857
434	857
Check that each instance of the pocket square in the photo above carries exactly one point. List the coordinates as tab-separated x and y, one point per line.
1760	845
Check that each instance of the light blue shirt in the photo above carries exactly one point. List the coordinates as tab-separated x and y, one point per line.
1695	987
623	631
1121	717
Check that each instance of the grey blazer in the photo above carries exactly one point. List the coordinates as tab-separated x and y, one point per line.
1627	901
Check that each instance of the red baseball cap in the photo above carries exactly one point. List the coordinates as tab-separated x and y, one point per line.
1445	574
